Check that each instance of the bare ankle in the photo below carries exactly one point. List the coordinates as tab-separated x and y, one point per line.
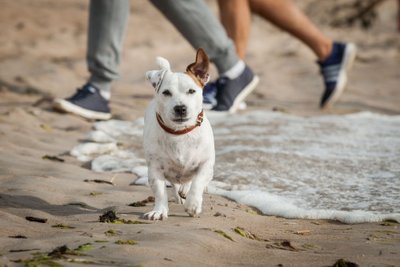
324	51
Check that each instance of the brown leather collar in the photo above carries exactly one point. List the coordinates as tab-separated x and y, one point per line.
183	131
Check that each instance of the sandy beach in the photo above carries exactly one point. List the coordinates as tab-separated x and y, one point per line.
42	56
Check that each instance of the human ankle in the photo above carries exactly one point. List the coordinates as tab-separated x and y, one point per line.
235	70
324	51
103	86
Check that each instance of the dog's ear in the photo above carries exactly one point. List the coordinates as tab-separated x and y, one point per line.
199	69
156	76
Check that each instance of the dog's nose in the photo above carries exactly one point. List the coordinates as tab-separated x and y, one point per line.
180	110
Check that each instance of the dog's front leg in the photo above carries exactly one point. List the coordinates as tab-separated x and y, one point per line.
157	184
200	181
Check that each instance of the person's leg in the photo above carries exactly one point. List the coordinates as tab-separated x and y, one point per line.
287	16
236	17
201	28
107	24
195	21
335	59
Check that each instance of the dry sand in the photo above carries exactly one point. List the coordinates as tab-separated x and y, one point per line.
42	55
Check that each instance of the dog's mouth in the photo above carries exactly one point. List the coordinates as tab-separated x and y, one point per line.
180	120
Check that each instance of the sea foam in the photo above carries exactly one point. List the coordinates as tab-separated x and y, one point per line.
345	168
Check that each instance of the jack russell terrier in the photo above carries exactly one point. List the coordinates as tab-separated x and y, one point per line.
178	138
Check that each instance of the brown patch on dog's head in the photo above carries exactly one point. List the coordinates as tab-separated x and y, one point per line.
199	69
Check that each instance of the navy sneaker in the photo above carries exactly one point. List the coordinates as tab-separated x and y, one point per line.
231	93
334	70
86	102
210	95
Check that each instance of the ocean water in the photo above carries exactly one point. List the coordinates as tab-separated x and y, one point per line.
345	168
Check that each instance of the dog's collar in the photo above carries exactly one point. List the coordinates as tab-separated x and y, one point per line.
183	131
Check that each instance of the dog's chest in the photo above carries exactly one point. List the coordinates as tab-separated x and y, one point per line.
178	175
180	161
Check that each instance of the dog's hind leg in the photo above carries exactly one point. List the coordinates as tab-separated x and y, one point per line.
184	189
181	191
177	195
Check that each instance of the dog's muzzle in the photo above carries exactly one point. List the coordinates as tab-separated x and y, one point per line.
186	130
180	111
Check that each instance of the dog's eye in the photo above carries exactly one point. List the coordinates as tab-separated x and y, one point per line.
167	93
191	91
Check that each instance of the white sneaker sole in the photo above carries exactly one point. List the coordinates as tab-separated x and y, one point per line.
66	106
245	92
349	57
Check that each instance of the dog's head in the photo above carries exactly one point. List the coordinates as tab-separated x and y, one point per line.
179	96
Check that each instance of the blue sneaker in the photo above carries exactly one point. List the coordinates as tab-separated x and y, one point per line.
210	95
334	70
231	93
86	102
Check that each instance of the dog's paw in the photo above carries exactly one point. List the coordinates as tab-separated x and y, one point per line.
193	206
155	215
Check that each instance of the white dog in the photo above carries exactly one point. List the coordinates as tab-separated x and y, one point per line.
178	139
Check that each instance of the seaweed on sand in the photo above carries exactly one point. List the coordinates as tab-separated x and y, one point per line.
222	233
108	217
344	263
59	253
241	231
98	181
126	242
111	217
142	203
62	226
35	219
53	158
